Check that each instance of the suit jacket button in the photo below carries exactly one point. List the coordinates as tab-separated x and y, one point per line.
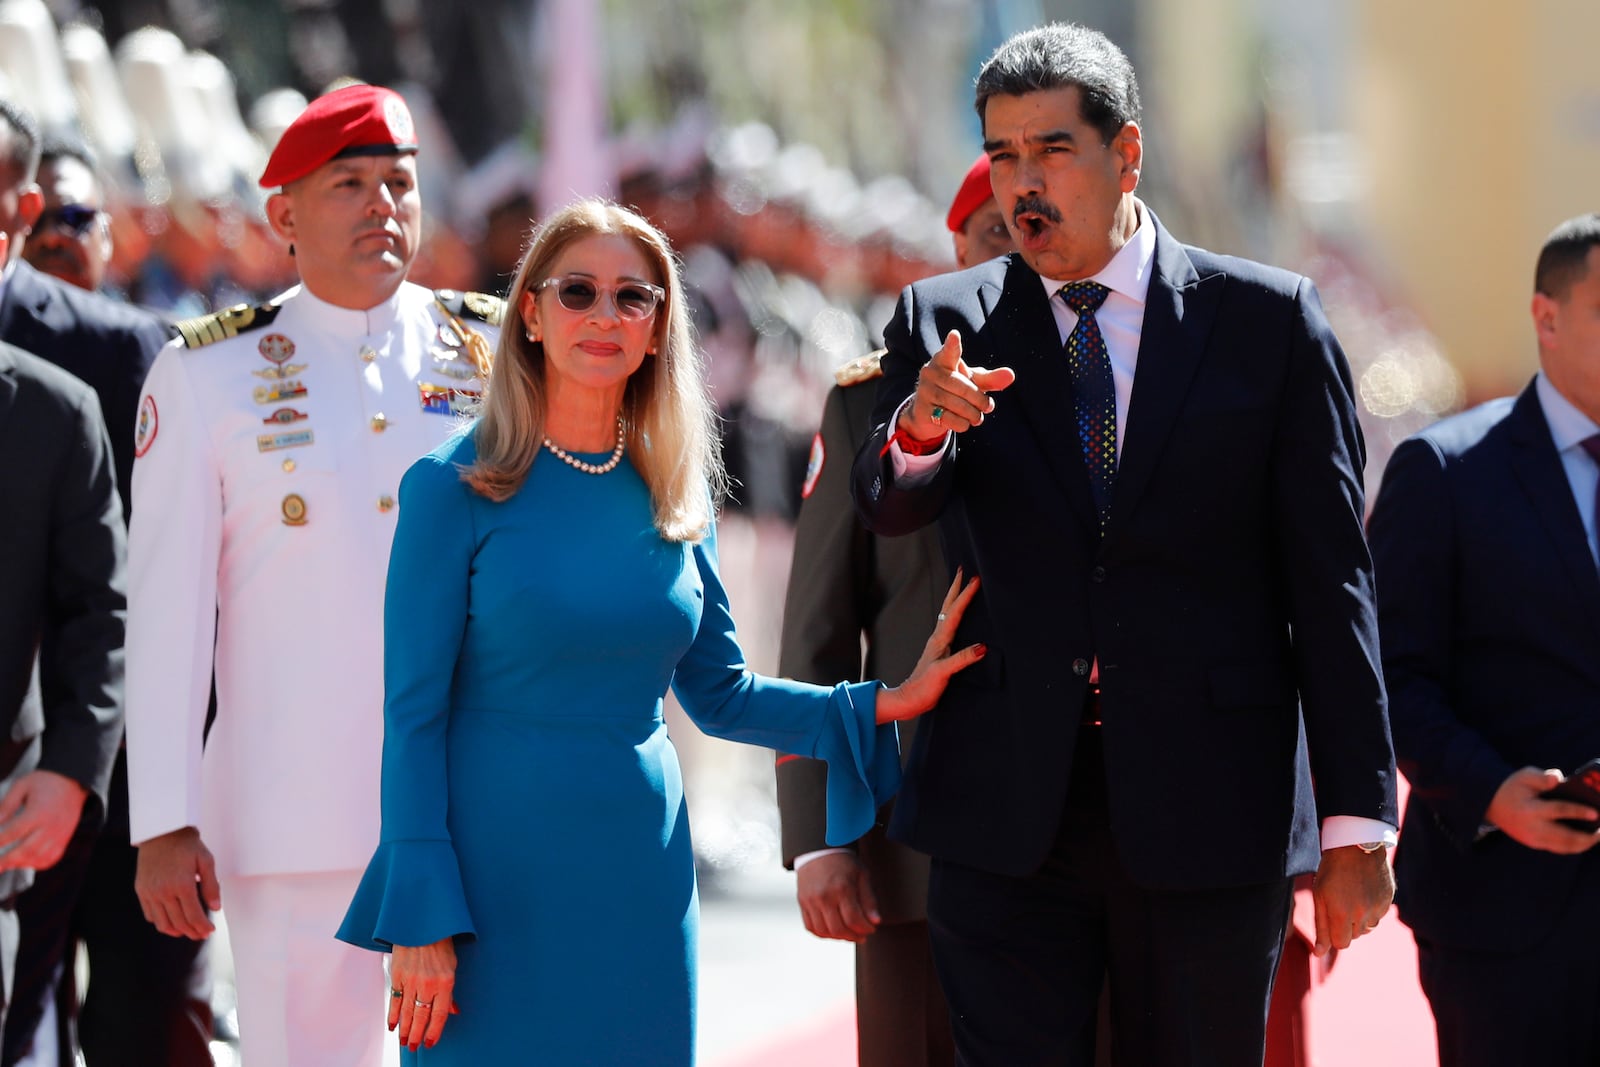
1080	667
1098	574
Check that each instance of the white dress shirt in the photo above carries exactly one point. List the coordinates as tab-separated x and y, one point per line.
1569	428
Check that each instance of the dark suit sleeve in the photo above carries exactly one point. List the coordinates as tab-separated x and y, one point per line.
884	508
82	680
1451	767
823	617
1317	475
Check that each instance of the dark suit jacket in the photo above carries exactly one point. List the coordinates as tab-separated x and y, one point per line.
62	586
1229	603
94	338
845	582
1490	614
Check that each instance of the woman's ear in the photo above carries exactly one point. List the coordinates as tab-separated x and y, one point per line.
529	306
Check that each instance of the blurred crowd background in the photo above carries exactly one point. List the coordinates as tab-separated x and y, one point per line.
800	153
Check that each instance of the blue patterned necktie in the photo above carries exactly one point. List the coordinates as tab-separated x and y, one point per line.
1094	392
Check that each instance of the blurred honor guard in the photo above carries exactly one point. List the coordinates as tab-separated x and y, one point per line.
271	441
845	582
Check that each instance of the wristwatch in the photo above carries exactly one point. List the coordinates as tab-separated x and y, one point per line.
1369	847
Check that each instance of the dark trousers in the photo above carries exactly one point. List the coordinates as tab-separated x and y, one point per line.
901	1016
1022	960
1537	1008
149	997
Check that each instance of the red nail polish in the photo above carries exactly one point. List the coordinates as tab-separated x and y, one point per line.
983	649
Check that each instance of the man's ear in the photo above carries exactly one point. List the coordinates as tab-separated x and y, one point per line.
1129	145
280	216
1544	310
30	205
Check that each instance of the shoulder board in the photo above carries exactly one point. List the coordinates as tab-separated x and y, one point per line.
863	369
221	325
480	306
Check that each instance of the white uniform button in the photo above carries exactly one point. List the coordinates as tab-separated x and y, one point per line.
288	464
380	422
368	353
386	503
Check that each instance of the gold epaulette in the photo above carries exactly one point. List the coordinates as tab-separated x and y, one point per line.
862	369
481	306
221	325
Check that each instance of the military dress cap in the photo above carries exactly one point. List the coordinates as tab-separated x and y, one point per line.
974	191
358	120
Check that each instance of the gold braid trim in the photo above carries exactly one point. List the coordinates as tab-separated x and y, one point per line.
476	344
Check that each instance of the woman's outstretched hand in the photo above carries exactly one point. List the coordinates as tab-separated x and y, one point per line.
921	691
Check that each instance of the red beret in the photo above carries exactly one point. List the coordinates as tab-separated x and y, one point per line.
972	195
358	120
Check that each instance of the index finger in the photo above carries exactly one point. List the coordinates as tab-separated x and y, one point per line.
949	356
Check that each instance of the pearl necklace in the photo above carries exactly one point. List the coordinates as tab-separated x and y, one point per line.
591	468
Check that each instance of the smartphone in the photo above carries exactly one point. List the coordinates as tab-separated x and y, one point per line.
1581	787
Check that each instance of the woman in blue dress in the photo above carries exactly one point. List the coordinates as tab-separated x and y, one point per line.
554	571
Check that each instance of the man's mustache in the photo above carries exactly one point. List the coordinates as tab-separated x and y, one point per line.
1035	205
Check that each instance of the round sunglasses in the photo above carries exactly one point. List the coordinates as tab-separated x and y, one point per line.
633	300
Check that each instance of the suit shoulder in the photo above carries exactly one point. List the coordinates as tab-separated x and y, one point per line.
46	381
1248	271
861	369
101	314
1460	433
968	280
483	307
222	325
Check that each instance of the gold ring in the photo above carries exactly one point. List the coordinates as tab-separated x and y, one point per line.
937	413
397	993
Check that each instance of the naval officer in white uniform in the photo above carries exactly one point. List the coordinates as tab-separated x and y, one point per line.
270	446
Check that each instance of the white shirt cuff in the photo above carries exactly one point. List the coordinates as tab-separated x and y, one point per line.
911	471
806	857
1341	830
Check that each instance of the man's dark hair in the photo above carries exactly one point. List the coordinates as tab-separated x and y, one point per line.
1564	259
19	144
1064	55
58	147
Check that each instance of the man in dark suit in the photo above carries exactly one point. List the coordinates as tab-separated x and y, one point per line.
843	584
1484	536
1165	512
61	619
151	998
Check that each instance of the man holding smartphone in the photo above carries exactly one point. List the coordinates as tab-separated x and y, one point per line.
1488	573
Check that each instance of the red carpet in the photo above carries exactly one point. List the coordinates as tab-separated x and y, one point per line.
1370	1012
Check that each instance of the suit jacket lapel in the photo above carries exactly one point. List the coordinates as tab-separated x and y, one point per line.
1544	480
1023	335
1179	310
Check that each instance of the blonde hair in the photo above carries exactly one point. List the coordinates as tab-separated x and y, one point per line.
668	418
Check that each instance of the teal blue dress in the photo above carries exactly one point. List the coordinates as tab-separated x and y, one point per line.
532	801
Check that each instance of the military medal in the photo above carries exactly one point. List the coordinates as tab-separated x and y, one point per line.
451	365
435	398
272	394
465	401
276	348
294	510
285	415
449	337
272	442
288	370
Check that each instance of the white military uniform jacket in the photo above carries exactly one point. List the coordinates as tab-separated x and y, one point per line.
270	445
